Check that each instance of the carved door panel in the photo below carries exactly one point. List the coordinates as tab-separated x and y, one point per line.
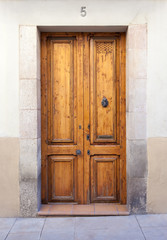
83	117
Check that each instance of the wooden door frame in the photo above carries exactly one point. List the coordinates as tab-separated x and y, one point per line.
122	80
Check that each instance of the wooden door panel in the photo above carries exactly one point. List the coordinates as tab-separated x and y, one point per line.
105	78
104	178
62	178
104	149
104	87
62	91
62	117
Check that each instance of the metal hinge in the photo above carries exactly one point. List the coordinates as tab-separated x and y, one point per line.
87	137
88	152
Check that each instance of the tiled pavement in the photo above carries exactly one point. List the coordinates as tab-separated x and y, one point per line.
139	227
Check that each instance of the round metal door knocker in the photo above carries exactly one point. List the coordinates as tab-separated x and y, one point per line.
104	102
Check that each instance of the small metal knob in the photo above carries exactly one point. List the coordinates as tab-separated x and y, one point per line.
104	102
78	152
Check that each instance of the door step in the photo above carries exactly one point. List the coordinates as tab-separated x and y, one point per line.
94	209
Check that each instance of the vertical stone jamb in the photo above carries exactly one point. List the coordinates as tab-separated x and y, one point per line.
136	117
30	115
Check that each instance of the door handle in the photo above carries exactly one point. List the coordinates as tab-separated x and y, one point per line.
78	152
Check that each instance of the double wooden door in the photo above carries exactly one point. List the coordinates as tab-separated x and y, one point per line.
83	117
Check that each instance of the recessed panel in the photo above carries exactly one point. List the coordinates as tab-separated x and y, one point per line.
104	178
104	90
62	178
62	91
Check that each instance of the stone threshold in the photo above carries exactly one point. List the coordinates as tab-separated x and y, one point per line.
94	209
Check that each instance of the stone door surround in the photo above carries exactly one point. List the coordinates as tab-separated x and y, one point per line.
30	118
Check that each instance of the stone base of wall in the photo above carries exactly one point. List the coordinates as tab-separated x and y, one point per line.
9	177
157	175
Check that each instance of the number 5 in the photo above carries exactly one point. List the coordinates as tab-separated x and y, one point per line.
83	11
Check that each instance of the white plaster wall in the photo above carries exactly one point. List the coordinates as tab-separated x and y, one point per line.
15	13
157	70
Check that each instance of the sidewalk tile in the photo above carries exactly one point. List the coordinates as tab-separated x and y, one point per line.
3	234
128	234
155	233
91	235
84	223
152	220
23	236
122	222
59	224
6	223
57	235
24	225
107	234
